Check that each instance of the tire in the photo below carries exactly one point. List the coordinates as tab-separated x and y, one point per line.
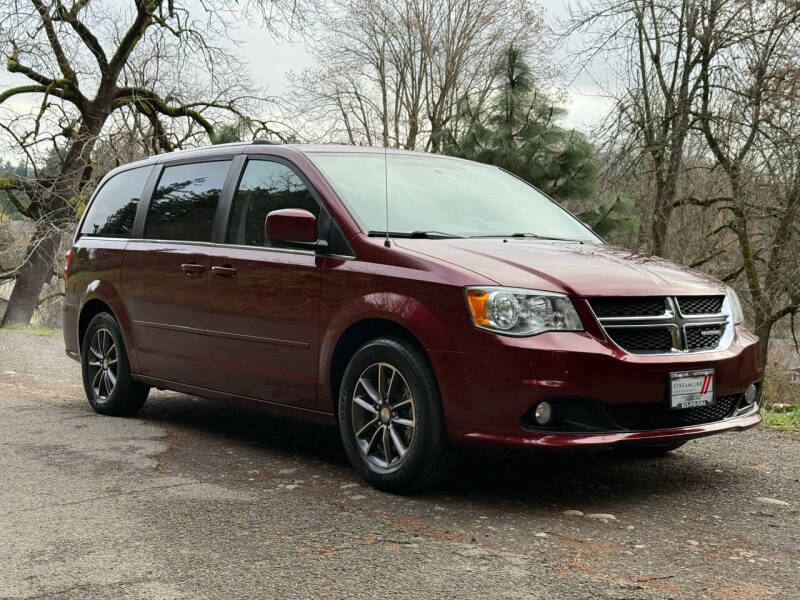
104	359
405	411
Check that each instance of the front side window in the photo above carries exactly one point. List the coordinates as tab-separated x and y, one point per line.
184	203
442	195
114	207
265	186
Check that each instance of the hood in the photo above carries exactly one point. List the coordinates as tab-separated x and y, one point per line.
571	267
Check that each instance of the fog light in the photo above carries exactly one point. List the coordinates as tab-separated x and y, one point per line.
750	393
543	413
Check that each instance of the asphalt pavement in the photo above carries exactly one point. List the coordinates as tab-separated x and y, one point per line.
197	499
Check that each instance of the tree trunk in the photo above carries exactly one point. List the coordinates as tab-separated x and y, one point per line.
413	128
763	331
662	212
56	213
32	275
436	133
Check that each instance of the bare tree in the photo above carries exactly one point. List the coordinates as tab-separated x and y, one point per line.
705	134
78	63
747	114
652	118
392	73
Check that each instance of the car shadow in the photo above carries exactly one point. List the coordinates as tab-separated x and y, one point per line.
251	426
584	478
558	479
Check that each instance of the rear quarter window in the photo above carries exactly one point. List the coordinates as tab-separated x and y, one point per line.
113	209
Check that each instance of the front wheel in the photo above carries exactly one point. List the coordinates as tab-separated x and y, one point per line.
107	379
390	417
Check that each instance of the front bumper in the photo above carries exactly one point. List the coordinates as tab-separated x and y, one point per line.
614	439
488	394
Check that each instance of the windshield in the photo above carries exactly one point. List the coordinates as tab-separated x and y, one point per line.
443	197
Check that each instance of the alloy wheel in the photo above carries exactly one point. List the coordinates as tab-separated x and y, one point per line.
383	416
103	361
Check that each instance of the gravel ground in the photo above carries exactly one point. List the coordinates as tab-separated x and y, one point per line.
195	499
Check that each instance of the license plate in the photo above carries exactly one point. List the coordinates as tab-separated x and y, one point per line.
690	389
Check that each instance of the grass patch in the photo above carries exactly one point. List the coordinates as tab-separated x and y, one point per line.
32	330
782	417
781	398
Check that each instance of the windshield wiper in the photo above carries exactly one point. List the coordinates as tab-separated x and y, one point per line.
432	234
429	235
535	236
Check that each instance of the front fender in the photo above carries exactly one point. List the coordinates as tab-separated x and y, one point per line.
406	311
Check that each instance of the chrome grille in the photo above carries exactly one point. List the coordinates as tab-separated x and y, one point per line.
662	325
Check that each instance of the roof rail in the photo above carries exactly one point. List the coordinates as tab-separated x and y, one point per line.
266	143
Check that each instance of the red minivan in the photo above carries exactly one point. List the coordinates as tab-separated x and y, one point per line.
420	302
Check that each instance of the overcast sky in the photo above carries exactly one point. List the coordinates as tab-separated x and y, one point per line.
270	60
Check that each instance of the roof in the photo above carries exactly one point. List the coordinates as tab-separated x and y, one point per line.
238	147
347	148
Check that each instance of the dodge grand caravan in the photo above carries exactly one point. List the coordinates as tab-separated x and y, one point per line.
420	302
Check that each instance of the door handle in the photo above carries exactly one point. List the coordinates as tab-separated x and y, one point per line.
224	271
192	269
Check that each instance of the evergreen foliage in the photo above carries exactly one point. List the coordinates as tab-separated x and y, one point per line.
516	128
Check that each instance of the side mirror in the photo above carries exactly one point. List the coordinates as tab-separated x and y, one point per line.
291	226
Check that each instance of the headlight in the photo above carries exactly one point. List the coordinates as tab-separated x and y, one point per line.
513	311
737	314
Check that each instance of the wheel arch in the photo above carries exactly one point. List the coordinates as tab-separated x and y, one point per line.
355	336
88	311
370	316
103	297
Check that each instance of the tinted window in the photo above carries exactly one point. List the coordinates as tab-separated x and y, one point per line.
265	186
185	201
114	207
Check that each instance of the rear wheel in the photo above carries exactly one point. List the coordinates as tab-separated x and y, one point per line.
107	379
390	417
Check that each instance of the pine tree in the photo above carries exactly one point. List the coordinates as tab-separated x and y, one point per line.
517	129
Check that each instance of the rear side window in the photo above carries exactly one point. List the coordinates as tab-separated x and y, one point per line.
184	203
265	186
114	207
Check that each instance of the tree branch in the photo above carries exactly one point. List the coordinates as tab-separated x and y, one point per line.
14	66
60	88
23	89
55	44
732	275
71	17
148	101
48	297
17	202
704	202
701	261
10	184
785	311
143	20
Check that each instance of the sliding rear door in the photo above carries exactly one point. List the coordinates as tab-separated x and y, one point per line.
166	272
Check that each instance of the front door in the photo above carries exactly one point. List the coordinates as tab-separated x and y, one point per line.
165	275
263	300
